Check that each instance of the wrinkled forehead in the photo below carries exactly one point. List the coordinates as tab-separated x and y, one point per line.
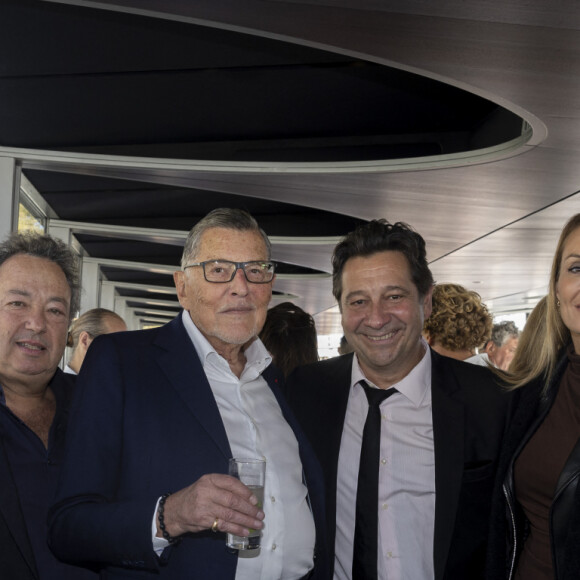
230	244
35	277
27	265
386	266
510	342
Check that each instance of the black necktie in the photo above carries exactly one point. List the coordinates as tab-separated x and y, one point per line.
365	554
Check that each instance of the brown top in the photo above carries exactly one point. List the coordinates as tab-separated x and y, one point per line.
538	468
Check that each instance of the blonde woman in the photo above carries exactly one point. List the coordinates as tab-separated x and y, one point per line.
537	504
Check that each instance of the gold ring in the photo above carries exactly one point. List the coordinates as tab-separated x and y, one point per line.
214	526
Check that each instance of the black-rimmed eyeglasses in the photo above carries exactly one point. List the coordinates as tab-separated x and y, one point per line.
223	271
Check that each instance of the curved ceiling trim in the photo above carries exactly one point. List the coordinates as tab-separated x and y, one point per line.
78	162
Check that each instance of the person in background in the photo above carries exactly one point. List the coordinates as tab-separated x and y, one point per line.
459	321
158	413
85	329
39	293
409	478
537	501
501	348
344	347
289	335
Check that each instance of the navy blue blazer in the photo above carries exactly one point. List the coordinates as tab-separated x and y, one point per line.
470	414
144	422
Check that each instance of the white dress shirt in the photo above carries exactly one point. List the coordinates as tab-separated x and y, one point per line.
69	371
481	359
406	502
256	428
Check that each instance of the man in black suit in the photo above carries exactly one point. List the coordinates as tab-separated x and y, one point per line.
440	431
39	292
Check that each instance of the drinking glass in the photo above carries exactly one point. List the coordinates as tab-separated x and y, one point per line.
252	473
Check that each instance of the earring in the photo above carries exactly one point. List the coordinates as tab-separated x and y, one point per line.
558	303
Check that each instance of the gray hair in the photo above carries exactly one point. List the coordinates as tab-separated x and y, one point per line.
48	248
92	322
228	218
503	331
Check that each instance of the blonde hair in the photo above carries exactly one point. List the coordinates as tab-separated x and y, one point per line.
92	322
530	342
542	354
459	319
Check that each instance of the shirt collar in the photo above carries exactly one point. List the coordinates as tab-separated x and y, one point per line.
56	387
416	386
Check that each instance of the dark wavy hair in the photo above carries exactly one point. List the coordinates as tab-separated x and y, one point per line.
289	334
381	236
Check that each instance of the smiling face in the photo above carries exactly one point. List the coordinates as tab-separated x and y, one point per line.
383	315
34	316
568	287
232	313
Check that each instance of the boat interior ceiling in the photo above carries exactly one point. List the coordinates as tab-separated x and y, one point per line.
131	119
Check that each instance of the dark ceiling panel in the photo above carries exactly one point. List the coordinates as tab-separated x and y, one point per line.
143	295
158	88
138	277
110	248
141	304
111	43
97	200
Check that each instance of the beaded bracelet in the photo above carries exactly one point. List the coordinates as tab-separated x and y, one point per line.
160	514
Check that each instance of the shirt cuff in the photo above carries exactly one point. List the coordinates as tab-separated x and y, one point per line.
159	544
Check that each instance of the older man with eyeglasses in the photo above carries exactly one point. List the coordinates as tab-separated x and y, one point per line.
159	413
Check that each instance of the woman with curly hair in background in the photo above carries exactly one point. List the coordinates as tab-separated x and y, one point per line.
459	322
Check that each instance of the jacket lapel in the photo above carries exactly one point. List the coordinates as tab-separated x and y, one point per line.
181	365
448	434
335	409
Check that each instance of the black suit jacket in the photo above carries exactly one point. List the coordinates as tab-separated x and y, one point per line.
469	419
145	422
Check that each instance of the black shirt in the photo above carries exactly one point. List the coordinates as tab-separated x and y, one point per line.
35	471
